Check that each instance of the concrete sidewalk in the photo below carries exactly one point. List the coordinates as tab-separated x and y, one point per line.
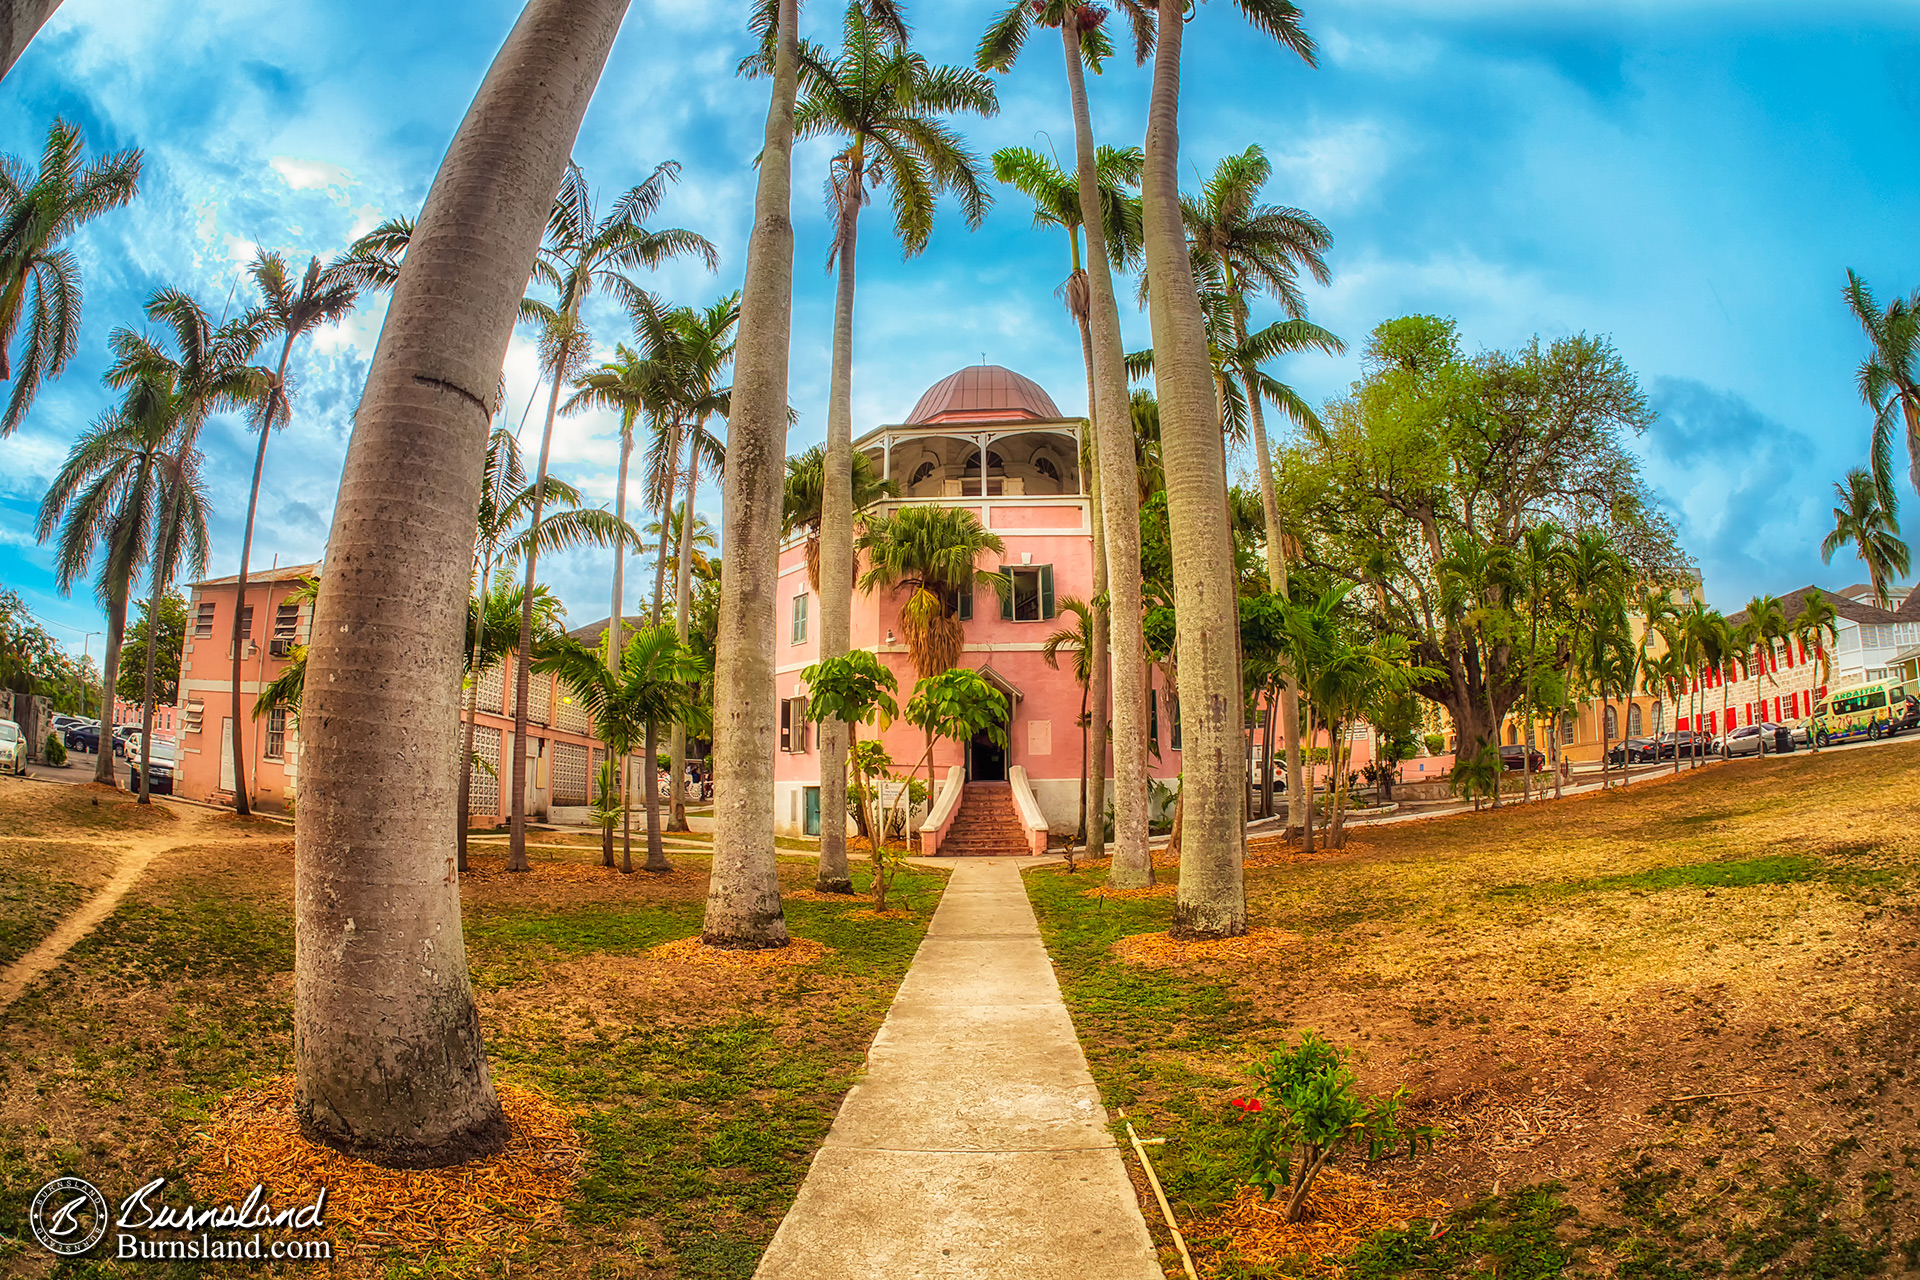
976	1145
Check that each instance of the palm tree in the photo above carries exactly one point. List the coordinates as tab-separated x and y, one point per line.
884	104
381	959
743	895
1816	627
1248	248
625	386
1084	44
806	483
1870	524
652	682
1212	901
40	287
1766	625
324	295
583	254
1056	203
1890	380
127	478
932	553
1078	639
504	533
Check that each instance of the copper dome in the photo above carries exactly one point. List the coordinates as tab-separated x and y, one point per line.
984	393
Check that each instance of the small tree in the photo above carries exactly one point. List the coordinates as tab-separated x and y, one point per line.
853	688
957	704
1309	1109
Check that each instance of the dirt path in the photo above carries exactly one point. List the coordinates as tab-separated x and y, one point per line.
134	857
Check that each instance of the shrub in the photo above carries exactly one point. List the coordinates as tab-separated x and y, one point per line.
1308	1110
1436	743
55	750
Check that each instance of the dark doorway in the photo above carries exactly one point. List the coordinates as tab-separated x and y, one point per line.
986	760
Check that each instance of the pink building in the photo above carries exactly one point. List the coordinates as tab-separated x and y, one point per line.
992	442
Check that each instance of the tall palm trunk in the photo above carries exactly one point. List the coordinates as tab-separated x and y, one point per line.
1212	902
682	604
19	20
386	1037
1276	565
118	592
615	619
1119	508
836	533
743	898
523	651
162	557
1096	694
650	774
473	715
242	802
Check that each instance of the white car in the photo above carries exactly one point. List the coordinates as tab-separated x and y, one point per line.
13	748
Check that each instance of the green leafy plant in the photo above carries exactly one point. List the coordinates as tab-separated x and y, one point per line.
607	809
55	750
1309	1110
1476	776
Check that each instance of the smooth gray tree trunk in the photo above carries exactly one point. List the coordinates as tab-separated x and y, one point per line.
836	544
20	21
1212	902
387	1040
242	796
743	897
1119	508
1098	692
682	602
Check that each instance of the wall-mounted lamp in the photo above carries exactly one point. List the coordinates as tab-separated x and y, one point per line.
889	635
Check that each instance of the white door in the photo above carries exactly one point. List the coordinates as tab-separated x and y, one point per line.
226	753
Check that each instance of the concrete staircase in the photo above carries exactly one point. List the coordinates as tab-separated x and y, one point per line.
987	825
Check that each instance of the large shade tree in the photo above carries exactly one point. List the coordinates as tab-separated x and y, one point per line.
1431	447
884	106
40	286
1084	43
387	1041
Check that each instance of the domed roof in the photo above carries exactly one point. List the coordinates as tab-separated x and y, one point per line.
984	393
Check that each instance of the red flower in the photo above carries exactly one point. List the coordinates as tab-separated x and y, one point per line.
1249	1105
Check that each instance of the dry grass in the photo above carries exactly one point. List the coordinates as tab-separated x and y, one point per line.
1343	1211
798	951
1164	890
255	1139
1161	949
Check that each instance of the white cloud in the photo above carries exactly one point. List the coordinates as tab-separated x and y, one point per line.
1334	170
312	175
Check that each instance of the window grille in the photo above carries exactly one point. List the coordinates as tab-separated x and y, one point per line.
570	785
540	698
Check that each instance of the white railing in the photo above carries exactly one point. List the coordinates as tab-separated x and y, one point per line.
1028	809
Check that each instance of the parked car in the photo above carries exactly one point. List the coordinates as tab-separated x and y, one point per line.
1516	758
1684	743
160	776
122	732
1634	751
1778	736
13	748
82	735
1755	739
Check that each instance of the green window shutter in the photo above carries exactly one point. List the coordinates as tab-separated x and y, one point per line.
966	603
1006	601
1046	591
1153	718
786	724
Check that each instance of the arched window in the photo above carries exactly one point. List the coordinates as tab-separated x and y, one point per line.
1633	721
1613	723
1044	466
993	461
921	472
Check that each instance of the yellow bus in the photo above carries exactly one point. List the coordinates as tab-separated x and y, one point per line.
1873	710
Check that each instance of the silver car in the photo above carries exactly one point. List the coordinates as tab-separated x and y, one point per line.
1747	741
13	748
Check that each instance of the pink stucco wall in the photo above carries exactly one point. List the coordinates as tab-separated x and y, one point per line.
1044	736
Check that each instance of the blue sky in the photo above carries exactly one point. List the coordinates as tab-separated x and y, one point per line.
1691	179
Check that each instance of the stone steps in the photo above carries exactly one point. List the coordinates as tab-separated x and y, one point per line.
987	825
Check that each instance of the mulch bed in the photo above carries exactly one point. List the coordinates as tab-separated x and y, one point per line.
1151	891
1343	1211
545	872
798	951
254	1138
1159	949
